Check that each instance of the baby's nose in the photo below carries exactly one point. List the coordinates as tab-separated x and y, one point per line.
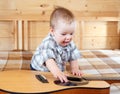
68	37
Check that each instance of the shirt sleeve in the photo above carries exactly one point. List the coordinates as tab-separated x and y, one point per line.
42	56
48	54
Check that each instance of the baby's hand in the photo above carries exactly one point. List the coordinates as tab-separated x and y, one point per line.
57	73
60	75
76	72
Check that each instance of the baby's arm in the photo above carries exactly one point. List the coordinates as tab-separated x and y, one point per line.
57	73
75	68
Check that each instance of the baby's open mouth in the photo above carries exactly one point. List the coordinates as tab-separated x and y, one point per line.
66	42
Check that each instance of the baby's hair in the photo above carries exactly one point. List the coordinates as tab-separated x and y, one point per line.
61	13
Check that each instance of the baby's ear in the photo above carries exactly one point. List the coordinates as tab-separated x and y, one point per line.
51	30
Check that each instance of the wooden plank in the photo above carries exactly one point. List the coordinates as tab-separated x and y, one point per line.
6	44
36	41
16	9
26	34
80	5
76	37
118	30
5	29
101	42
82	29
6	35
38	28
20	35
101	28
45	17
15	28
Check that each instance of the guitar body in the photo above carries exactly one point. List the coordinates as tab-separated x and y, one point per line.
24	81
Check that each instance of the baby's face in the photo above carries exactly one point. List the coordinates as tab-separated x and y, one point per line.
63	33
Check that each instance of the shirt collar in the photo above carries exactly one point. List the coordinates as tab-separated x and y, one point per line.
59	48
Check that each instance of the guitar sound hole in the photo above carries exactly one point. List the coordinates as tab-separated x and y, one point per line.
74	79
58	82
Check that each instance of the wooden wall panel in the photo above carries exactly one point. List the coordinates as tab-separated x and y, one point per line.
100	43
77	35
98	23
101	35
33	43
118	29
101	28
33	9
37	31
6	35
6	44
78	5
5	29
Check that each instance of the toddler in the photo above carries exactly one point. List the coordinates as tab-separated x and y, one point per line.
58	48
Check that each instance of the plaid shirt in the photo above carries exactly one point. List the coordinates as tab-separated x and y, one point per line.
49	49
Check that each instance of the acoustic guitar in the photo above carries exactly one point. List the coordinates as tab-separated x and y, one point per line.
30	82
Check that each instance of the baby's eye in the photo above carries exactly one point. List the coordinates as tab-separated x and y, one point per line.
63	34
71	33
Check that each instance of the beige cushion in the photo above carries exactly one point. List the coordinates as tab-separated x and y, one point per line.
115	88
16	60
